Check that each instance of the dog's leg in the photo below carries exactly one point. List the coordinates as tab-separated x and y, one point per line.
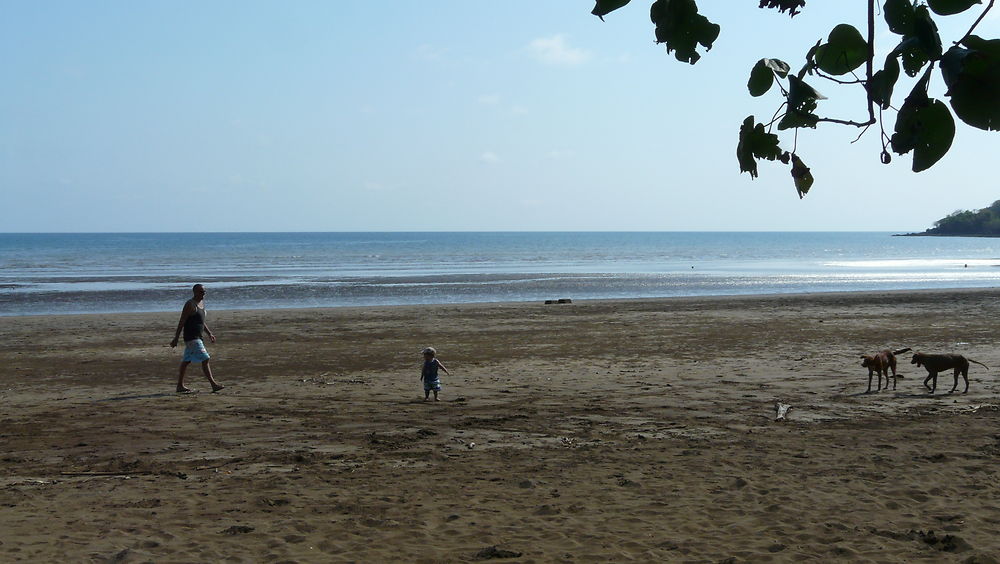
931	376
870	374
965	374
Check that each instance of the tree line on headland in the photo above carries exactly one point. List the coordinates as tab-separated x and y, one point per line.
980	223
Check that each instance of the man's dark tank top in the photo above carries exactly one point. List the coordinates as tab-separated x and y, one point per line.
194	324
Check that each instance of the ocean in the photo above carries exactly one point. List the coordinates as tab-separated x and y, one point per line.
143	272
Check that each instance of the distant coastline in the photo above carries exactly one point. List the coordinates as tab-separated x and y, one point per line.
929	234
983	222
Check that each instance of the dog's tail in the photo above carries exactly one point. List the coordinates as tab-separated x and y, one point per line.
901	351
979	363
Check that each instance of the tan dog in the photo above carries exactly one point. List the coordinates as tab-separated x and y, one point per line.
880	363
935	363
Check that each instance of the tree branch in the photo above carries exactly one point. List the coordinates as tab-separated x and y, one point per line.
871	57
847	122
975	23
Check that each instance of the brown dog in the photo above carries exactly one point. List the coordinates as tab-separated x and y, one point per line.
935	363
880	363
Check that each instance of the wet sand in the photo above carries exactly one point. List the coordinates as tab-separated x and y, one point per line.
606	431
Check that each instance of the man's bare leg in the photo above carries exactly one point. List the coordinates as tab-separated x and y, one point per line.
207	370
180	377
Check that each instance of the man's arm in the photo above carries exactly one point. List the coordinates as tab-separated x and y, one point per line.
185	313
211	335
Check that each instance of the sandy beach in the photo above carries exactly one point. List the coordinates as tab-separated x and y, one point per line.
604	431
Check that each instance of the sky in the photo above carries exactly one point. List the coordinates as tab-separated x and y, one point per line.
443	115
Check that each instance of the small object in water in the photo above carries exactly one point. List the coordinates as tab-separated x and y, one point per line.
494	552
471	445
782	411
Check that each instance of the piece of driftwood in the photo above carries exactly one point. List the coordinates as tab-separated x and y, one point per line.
219	465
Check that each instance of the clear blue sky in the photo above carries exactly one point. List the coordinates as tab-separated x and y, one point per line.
443	115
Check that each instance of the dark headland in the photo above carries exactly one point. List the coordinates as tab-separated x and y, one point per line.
984	222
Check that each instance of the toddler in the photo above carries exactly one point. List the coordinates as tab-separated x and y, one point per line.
429	374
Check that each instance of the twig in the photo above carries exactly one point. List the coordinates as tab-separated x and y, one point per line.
823	75
974	24
862	134
775	117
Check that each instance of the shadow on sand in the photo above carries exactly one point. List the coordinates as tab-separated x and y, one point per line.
143	396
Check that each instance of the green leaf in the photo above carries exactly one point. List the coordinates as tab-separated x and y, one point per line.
756	143
989	46
950	7
800	93
973	80
882	83
682	28
926	32
913	56
605	7
810	60
761	79
779	67
900	16
801	103
921	44
925	126
801	176
937	133
844	51
798	118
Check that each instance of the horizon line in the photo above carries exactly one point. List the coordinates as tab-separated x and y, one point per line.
900	232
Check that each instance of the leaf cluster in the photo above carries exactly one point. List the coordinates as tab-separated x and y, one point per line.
682	28
924	126
792	6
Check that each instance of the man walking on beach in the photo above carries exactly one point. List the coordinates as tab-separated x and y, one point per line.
193	324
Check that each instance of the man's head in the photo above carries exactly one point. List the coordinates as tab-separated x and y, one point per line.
198	290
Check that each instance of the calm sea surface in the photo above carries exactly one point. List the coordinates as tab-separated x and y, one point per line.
96	273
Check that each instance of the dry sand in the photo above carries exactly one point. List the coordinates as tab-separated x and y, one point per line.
610	431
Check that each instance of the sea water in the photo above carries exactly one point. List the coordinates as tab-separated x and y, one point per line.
134	272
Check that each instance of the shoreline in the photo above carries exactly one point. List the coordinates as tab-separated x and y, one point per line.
604	430
679	299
